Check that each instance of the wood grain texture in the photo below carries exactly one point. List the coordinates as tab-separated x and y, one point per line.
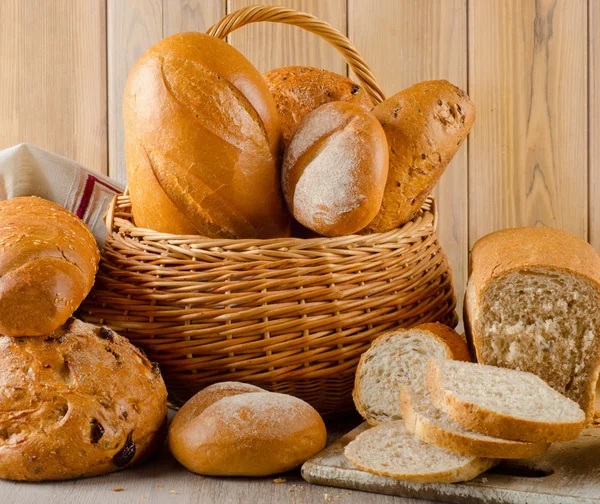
423	40
273	45
594	122
53	76
164	480
191	15
528	150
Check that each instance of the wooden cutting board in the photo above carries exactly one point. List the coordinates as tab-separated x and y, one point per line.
568	473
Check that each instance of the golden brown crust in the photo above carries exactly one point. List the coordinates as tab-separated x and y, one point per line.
202	400
81	401
298	90
526	248
455	346
202	131
335	168
425	126
48	261
430	433
249	434
496	424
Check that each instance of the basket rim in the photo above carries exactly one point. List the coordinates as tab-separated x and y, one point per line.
427	218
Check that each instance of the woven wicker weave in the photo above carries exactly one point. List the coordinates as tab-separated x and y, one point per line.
291	315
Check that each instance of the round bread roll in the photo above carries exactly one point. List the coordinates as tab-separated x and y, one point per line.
247	434
298	90
81	401
48	262
335	169
202	142
425	125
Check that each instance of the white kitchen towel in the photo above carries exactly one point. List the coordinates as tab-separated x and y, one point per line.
26	170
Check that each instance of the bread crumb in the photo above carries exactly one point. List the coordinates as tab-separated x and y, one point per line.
160	485
118	489
484	480
278	481
173	492
144	497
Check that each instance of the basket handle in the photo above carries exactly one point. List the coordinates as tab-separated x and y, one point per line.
310	23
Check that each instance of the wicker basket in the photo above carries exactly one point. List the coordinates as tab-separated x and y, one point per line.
291	315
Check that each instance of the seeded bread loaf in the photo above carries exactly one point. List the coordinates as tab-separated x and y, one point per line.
298	90
78	402
48	261
245	432
425	126
335	168
391	450
503	402
398	358
533	304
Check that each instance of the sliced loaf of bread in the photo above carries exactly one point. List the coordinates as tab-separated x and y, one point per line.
398	358
502	402
533	304
390	450
433	426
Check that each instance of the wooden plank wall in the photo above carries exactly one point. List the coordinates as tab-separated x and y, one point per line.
532	67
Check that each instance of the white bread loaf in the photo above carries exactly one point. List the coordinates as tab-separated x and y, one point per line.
431	425
503	402
390	450
235	430
533	304
398	358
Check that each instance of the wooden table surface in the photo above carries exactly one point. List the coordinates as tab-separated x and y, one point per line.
164	481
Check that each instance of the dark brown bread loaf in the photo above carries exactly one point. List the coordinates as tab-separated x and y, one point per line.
48	261
81	401
425	126
298	90
202	142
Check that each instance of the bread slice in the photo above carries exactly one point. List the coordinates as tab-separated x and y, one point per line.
533	304
502	402
398	358
433	426
390	450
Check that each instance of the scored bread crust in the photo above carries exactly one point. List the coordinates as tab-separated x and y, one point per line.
469	470
476	445
456	349
202	400
203	142
494	423
522	249
252	433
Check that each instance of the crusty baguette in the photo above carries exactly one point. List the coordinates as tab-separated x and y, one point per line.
502	402
397	358
425	126
48	261
533	303
433	426
390	450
